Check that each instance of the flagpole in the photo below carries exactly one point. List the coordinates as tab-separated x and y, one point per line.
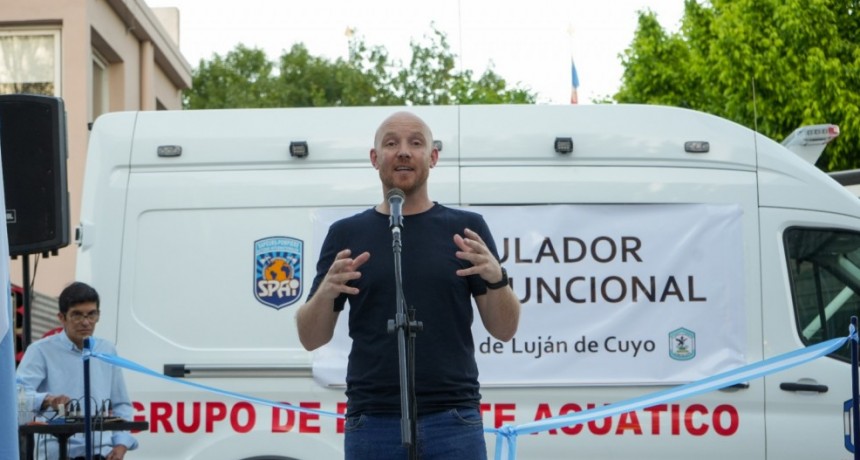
8	397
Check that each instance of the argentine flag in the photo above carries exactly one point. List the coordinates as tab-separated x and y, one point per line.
8	401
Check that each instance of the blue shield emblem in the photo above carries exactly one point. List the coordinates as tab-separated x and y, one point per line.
278	271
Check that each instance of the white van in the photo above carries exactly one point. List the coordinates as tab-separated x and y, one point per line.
651	246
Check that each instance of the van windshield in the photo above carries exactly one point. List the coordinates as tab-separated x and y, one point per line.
824	266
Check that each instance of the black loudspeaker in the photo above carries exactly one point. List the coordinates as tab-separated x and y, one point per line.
33	150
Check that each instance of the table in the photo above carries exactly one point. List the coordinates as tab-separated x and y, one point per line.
64	431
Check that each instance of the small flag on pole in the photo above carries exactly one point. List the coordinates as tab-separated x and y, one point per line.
574	83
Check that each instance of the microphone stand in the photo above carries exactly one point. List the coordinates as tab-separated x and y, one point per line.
88	427
406	328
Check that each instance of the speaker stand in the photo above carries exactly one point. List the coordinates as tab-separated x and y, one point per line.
26	330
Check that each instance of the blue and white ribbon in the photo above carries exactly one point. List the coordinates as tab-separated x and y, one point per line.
746	373
506	436
130	365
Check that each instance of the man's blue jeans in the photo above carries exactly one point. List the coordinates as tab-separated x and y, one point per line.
455	434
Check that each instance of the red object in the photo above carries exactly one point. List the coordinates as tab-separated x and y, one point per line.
53	331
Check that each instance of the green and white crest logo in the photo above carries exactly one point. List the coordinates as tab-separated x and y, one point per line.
682	344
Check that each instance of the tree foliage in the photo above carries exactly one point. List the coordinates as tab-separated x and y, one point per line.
368	76
773	65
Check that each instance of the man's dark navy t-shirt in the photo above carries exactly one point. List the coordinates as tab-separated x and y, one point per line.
446	373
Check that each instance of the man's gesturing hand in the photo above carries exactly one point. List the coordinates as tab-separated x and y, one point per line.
474	250
343	270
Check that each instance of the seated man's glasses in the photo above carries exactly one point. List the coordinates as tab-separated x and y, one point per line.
79	317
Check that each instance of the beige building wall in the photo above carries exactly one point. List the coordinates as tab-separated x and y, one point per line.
114	55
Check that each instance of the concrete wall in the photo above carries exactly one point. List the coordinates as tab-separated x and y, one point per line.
144	65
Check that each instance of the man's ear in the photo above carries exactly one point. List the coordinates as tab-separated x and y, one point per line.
373	159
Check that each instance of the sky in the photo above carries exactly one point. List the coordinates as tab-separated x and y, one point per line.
529	43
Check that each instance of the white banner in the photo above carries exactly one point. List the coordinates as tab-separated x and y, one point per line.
612	294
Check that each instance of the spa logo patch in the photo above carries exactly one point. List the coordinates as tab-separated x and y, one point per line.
278	271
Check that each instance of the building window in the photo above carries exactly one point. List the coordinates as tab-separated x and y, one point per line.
101	86
30	62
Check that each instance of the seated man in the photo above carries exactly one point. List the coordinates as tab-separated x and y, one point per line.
52	367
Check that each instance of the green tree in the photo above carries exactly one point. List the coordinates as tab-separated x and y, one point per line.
311	81
368	76
773	65
242	78
432	79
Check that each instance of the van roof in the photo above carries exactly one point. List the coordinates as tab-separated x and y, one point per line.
635	134
470	136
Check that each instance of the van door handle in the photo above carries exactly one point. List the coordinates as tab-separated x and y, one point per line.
175	370
811	387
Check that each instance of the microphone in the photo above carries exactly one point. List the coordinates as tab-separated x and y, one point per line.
395	199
